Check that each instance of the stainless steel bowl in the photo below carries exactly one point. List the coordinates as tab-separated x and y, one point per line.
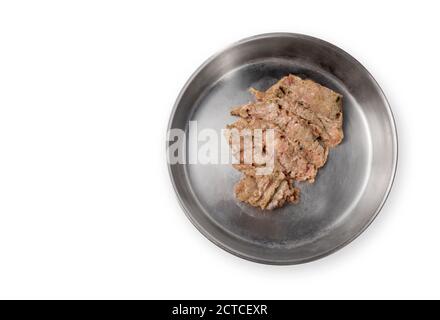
349	190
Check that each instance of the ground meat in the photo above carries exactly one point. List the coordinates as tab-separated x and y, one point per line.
306	119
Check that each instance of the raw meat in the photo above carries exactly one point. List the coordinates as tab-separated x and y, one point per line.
307	120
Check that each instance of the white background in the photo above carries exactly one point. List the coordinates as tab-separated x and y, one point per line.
86	205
